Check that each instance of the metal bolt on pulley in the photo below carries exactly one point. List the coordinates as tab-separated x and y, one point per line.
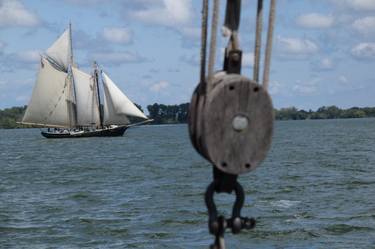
231	116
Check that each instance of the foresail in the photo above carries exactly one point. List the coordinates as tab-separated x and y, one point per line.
60	52
109	114
86	99
121	104
48	105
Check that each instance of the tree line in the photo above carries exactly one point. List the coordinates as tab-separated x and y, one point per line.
174	114
324	112
9	117
167	114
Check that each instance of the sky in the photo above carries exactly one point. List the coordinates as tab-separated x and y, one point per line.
323	54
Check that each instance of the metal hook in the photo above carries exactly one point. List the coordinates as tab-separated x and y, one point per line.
218	225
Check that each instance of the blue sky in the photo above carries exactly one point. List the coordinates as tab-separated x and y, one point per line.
324	50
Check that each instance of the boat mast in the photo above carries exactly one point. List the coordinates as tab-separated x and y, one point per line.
96	77
71	44
70	73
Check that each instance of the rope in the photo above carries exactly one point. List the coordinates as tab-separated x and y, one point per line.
204	41
233	15
217	225
234	42
258	40
232	23
214	24
267	62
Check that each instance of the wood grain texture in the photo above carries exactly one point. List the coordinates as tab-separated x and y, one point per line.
232	151
195	120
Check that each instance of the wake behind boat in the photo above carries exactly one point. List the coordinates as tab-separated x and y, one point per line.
69	100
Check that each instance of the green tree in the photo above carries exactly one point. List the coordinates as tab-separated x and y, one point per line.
9	117
168	114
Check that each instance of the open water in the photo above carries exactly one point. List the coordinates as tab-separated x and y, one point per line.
316	189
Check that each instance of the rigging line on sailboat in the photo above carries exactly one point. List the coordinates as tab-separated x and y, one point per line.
231	24
258	40
54	63
204	41
214	24
224	138
271	26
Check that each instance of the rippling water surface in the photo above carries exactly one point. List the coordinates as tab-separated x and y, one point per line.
145	190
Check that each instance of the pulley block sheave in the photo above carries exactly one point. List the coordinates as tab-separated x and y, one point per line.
231	125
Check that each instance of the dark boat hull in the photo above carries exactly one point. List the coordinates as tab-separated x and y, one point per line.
109	132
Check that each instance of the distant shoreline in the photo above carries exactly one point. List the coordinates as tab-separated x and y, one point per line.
176	124
178	114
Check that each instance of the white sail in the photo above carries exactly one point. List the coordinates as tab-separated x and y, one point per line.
117	106
48	105
61	51
109	114
86	99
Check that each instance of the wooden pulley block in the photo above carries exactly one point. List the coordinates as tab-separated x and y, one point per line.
195	119
233	123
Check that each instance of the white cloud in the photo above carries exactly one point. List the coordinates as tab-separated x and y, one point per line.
20	60
364	50
248	59
296	47
343	79
365	25
362	4
177	15
168	13
30	56
117	35
324	63
117	58
315	20
304	89
159	86
14	13
309	87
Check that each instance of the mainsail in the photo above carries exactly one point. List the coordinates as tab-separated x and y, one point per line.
60	53
117	106
48	105
86	99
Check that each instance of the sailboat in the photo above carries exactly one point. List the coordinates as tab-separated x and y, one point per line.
69	101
